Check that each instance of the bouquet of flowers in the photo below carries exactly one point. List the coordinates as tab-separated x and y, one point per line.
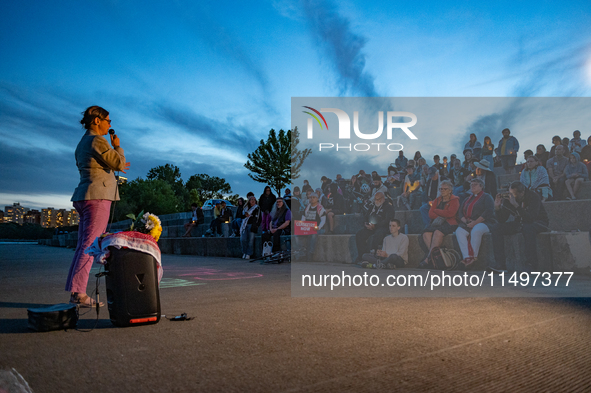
146	223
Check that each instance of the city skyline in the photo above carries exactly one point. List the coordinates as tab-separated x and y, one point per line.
199	85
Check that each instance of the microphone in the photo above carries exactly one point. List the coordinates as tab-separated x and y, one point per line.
112	131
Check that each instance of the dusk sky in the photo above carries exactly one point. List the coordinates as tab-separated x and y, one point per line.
198	84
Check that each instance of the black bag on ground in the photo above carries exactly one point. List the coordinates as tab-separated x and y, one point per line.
443	258
55	317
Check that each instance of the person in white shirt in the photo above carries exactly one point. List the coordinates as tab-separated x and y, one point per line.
394	251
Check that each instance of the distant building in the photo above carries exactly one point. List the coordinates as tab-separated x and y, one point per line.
33	217
15	213
51	217
1	216
48	217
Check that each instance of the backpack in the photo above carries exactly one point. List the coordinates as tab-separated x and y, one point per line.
444	258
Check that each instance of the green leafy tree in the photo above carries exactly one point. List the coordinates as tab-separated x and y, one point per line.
208	187
270	163
233	199
171	174
153	195
297	156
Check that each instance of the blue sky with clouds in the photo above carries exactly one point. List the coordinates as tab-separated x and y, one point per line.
198	84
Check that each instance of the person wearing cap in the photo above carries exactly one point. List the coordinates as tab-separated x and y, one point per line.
576	144
507	150
485	173
474	146
430	193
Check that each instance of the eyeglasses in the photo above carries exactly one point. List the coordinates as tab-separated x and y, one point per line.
107	120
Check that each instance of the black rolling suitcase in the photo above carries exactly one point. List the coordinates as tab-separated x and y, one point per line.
133	296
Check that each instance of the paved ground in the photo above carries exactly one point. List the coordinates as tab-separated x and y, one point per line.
249	334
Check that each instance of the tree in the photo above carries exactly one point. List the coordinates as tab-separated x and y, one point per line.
233	199
297	156
171	174
270	162
155	196
208	187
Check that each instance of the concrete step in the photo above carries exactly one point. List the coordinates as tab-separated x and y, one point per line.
557	251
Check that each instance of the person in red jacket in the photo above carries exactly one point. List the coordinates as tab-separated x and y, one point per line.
443	219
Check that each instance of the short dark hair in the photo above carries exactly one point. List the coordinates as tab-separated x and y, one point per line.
397	221
436	157
194	205
517	185
528	152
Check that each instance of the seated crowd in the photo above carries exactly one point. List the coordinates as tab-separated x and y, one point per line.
453	196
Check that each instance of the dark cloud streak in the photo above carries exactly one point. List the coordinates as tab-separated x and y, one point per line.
344	47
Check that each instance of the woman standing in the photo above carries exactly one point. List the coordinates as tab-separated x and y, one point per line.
266	202
249	227
239	217
97	163
487	151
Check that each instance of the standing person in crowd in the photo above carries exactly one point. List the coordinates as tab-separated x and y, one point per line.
394	251
341	182
468	160
424	176
576	144
446	167
412	193
266	201
297	207
488	148
437	164
97	163
375	228
586	154
556	141
576	173
280	223
416	158
535	178
530	219
556	167
287	198
476	218
507	150
430	193
457	177
314	212
249	227
542	155
452	159
325	181
196	219
474	146
485	173
335	206
442	215
237	222
566	144
306	187
401	162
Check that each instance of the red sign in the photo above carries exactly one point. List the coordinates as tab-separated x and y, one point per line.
305	227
